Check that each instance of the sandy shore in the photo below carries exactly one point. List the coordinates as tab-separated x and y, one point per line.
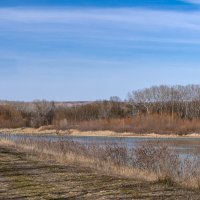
42	131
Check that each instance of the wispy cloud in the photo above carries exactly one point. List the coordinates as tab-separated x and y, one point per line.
192	1
98	33
128	16
107	24
66	46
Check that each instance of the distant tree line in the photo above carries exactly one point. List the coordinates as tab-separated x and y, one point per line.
182	102
44	113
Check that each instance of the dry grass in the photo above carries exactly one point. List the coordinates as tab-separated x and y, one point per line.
146	161
141	124
152	123
103	159
6	141
35	131
24	176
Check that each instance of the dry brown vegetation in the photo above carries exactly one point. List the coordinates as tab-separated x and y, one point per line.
28	175
159	109
144	124
10	117
147	161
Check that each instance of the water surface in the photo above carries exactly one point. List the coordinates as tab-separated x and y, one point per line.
185	146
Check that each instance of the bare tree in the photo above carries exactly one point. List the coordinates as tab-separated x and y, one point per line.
44	112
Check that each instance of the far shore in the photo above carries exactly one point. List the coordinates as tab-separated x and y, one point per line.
73	132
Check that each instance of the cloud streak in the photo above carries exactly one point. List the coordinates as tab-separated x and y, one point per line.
73	45
128	16
192	1
108	25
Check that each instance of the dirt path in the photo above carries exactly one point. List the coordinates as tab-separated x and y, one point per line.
23	177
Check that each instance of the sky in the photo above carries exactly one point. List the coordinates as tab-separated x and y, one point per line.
72	50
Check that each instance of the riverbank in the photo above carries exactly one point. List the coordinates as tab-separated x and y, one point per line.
23	175
73	132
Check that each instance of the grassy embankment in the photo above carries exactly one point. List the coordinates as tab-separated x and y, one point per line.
146	161
45	173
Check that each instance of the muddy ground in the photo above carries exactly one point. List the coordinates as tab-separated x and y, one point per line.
25	177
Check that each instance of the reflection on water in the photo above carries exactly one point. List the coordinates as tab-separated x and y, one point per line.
184	146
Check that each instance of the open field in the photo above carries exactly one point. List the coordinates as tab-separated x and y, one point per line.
24	176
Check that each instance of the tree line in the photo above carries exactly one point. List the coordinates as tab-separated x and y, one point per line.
182	102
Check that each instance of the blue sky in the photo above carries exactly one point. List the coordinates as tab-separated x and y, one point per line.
97	3
88	50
